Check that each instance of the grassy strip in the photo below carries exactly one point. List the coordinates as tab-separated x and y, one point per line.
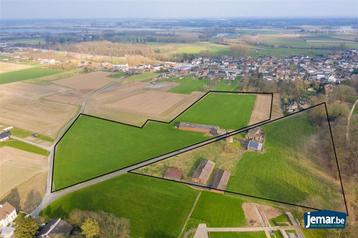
25	133
141	77
26	74
24	146
118	74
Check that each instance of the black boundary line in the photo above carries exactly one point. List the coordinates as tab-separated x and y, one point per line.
336	157
140	127
243	130
226	191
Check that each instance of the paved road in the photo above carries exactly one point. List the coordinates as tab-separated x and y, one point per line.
349	121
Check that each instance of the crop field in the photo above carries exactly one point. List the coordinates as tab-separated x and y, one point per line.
286	170
9	67
24	74
155	208
17	166
111	146
22	106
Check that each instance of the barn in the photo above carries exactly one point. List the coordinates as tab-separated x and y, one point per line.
173	173
221	179
203	171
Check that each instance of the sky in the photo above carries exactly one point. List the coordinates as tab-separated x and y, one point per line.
62	9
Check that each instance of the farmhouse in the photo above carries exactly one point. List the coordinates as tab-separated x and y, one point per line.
221	178
55	228
173	173
7	214
254	146
207	129
255	134
203	171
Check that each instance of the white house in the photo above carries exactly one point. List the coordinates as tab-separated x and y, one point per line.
7	214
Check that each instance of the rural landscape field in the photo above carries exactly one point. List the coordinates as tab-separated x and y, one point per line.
178	119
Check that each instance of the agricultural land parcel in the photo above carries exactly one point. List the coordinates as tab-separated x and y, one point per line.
288	170
100	142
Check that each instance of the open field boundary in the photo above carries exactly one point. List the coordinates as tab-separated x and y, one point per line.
143	125
249	195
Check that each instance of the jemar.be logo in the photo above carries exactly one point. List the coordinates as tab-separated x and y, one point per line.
325	219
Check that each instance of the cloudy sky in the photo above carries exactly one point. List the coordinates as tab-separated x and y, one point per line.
37	9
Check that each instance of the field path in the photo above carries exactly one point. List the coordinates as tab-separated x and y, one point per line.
349	120
190	213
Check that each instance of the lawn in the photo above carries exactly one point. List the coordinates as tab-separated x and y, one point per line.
188	85
227	110
118	74
106	146
283	172
141	77
237	235
24	146
219	210
25	74
154	207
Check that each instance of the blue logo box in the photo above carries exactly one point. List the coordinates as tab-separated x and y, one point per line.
325	219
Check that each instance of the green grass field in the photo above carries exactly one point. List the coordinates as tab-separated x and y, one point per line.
284	172
141	77
155	208
106	146
24	146
219	210
118	74
227	110
188	85
25	74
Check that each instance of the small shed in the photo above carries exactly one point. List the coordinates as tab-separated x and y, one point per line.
203	171
173	173
254	146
